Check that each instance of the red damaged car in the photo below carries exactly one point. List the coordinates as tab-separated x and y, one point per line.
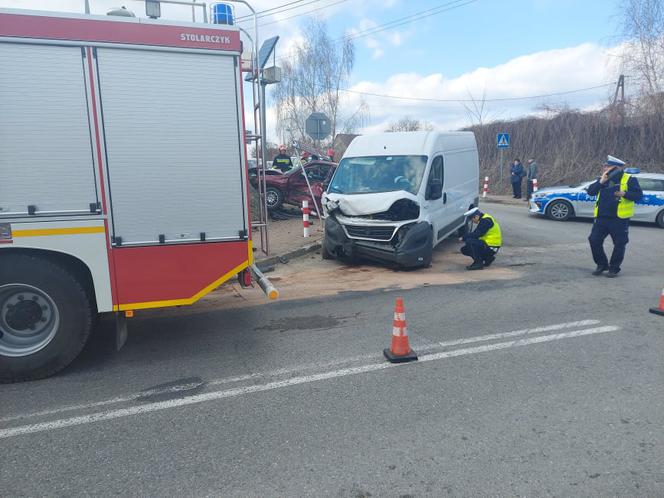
291	187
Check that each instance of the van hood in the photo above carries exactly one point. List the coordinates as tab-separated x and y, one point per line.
365	204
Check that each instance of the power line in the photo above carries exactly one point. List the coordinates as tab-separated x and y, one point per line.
278	10
399	21
423	15
501	99
498	99
303	13
408	19
264	12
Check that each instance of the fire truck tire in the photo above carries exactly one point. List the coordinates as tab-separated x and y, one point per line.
45	318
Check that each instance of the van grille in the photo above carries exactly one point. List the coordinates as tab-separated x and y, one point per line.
376	233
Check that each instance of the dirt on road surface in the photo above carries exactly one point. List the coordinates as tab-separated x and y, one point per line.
312	277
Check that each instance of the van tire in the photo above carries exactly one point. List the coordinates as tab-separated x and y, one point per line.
428	258
325	254
66	311
428	255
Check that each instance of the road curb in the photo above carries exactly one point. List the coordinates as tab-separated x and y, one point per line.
285	257
508	202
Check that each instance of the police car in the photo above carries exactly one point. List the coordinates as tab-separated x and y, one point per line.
563	203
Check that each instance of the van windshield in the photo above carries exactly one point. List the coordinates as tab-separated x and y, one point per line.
360	175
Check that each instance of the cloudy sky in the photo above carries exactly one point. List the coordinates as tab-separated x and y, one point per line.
435	54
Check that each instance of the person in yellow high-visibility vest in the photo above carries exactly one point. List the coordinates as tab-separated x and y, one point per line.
616	192
483	243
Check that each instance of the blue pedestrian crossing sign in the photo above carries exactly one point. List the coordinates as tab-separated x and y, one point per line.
503	140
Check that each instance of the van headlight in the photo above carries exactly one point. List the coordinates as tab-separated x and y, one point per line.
330	205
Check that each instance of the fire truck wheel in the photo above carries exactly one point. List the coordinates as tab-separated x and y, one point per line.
273	198
45	318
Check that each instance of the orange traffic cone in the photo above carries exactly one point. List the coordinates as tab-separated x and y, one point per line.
659	310
399	351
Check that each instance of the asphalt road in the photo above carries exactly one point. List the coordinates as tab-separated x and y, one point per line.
547	384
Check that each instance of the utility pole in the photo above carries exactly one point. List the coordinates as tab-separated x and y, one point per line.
620	87
501	167
618	104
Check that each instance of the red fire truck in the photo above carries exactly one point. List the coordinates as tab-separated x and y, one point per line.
123	178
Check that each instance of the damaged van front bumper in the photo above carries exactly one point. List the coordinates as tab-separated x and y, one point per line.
409	246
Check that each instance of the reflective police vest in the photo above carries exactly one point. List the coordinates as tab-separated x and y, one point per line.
625	206
493	237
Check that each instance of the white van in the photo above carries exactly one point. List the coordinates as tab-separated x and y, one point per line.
394	196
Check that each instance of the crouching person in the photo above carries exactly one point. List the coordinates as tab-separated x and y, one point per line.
482	244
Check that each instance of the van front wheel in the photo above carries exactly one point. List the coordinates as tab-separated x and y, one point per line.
428	257
325	254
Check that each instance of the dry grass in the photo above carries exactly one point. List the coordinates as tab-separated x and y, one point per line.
571	146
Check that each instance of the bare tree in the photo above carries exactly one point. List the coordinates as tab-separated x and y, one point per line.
407	123
313	78
476	109
643	28
550	110
570	145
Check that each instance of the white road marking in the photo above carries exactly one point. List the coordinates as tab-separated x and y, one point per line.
518	342
239	391
106	402
288	371
504	335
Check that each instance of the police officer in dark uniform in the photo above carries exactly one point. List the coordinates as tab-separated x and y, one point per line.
482	244
616	193
282	161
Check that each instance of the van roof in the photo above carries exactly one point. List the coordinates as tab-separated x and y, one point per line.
409	143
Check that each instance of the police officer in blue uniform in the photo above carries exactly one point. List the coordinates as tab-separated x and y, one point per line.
616	192
483	243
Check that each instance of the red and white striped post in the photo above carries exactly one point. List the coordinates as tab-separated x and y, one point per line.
485	189
534	184
305	217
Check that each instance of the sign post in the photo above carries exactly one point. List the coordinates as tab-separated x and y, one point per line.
318	126
502	142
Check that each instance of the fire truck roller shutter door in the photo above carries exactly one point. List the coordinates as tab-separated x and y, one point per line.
45	142
163	132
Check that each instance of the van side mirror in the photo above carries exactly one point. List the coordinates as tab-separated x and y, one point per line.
435	190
